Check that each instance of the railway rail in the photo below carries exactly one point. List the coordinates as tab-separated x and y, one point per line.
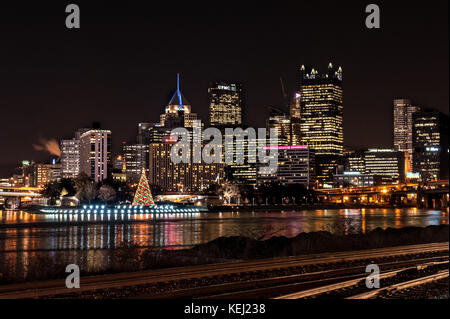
239	279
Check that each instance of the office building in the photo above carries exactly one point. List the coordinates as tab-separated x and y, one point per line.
430	142
45	173
296	165
403	128
280	122
178	111
322	110
295	112
181	177
321	119
245	171
354	161
70	158
225	104
95	153
387	163
136	160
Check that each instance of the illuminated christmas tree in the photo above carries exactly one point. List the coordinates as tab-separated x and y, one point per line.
143	195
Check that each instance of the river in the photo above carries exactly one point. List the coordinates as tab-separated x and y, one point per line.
93	240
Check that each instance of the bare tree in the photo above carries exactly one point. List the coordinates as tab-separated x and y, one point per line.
89	192
106	193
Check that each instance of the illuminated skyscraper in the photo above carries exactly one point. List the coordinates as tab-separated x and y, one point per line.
280	122
295	111
321	118
295	166
431	145
225	103
178	111
322	110
180	177
136	160
403	124
95	153
70	158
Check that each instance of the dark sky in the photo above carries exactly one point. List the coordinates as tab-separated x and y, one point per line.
120	67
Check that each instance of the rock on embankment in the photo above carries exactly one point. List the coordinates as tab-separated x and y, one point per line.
306	243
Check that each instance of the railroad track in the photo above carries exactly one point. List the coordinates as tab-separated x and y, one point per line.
264	288
416	285
253	270
393	281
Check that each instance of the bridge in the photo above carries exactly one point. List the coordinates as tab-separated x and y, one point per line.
14	196
433	194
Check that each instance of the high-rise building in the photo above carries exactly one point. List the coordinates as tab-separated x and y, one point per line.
321	119
387	163
242	169
431	146
70	158
295	112
136	159
180	177
295	107
403	128
95	153
151	133
295	166
322	110
178	111
225	103
280	122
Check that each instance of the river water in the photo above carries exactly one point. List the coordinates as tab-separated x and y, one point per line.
93	240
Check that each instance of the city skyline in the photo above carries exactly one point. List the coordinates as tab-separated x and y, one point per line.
102	93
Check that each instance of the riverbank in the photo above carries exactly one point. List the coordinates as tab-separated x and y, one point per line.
132	258
317	242
229	208
223	208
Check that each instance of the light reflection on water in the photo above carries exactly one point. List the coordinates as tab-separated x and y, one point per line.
91	240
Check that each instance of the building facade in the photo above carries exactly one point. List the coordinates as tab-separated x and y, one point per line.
387	163
225	103
70	158
295	112
431	146
321	119
180	177
355	179
403	128
322	110
95	153
281	123
296	165
178	111
136	160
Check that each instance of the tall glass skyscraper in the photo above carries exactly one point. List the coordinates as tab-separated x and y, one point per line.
322	110
225	103
95	153
403	128
431	144
321	119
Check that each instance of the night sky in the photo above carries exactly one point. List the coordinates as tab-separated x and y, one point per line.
120	67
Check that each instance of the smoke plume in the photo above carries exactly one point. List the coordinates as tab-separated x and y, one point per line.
50	146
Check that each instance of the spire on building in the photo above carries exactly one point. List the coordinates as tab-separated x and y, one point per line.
178	98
